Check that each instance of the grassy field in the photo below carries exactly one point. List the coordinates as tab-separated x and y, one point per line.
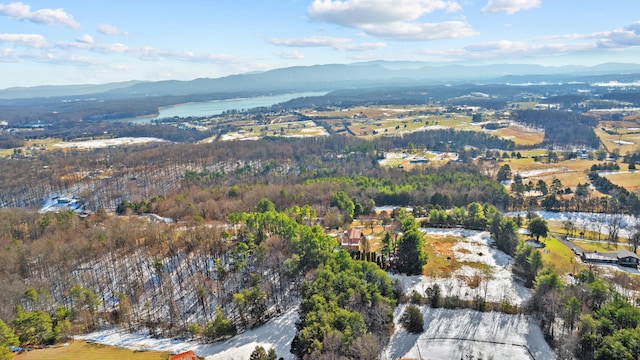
557	256
304	128
88	351
524	104
373	112
32	146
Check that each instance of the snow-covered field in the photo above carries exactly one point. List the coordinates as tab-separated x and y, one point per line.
456	334
539	172
595	222
498	283
276	334
449	334
103	143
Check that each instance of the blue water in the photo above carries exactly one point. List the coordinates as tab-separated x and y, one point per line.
217	107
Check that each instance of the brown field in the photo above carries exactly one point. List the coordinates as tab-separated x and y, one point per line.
629	180
520	135
373	112
570	173
625	137
441	261
89	351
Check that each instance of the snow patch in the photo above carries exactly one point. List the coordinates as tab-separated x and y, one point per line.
455	334
103	143
276	334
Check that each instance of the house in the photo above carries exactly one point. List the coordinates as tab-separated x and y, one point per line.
352	239
620	257
187	355
627	258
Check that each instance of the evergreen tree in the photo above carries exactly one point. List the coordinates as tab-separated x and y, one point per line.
259	353
504	173
412	320
411	256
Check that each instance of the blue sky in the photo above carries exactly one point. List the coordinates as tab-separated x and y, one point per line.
77	42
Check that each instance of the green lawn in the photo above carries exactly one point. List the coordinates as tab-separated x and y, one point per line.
559	257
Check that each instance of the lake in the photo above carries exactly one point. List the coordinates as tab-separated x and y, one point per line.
217	107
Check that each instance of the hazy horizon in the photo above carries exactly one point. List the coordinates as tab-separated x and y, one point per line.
65	42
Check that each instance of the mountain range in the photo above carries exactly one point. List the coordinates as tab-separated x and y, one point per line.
331	76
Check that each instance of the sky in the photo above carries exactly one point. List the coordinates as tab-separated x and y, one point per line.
62	42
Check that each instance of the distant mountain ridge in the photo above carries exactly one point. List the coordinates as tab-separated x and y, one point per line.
323	77
62	90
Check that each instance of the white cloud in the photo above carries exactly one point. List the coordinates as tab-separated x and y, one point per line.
628	36
289	55
342	44
361	46
28	40
85	39
109	29
14	56
156	54
354	13
505	49
510	6
22	11
420	32
391	19
311	41
17	56
453	7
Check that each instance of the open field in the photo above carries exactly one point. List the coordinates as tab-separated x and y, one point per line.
570	173
622	135
626	179
374	112
468	334
277	333
521	135
32	147
557	256
297	128
90	351
104	143
442	262
465	265
370	121
524	104
419	158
